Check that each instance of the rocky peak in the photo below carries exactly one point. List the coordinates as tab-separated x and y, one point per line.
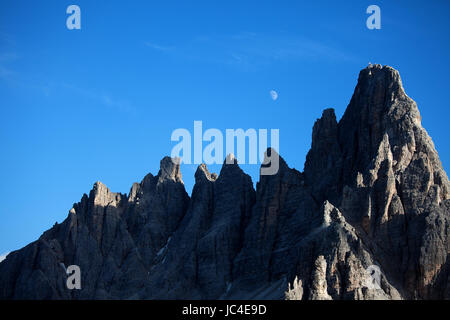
203	173
324	128
132	197
170	170
381	121
270	180
385	75
271	154
323	158
390	174
100	195
230	169
230	159
378	104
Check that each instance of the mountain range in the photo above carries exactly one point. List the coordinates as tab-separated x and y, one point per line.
373	197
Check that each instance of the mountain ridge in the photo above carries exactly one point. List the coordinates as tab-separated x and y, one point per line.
372	193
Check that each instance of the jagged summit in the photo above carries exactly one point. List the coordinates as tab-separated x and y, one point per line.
170	169
377	72
230	167
203	172
373	196
230	159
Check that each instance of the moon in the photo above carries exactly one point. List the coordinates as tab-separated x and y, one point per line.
273	95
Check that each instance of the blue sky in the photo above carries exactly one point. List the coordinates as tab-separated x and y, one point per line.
101	103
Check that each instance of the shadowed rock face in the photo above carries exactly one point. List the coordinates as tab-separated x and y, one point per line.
373	196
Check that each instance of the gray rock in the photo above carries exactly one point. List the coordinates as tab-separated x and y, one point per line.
367	219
